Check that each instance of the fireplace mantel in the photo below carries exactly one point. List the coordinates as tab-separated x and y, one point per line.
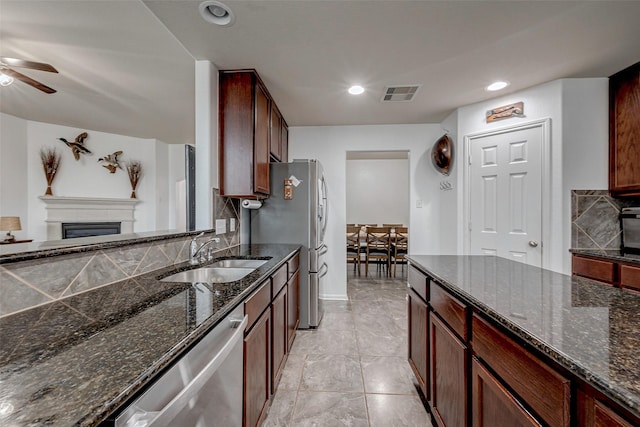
87	209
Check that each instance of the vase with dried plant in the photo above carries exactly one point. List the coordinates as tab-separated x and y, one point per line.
134	169
50	164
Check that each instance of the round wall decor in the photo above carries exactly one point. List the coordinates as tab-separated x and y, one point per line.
442	154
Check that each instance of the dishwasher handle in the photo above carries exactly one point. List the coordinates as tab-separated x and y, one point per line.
173	408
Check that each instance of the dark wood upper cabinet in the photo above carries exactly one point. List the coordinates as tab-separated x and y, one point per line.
276	133
624	132
284	136
244	133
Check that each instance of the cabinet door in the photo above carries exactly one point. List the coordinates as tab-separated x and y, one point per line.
279	342
293	305
418	339
448	375
276	132
284	138
624	131
606	417
236	130
257	371
261	142
491	401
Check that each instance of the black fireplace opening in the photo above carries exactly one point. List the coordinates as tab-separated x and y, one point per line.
72	230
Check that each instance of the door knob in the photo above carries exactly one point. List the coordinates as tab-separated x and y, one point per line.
533	243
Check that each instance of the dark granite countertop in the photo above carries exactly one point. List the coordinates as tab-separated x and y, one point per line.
34	250
590	329
610	254
75	361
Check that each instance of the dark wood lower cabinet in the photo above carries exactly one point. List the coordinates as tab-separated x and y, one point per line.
293	306
279	337
418	319
448	375
493	402
480	373
257	371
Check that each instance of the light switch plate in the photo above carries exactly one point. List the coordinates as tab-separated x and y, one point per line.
418	203
232	224
221	226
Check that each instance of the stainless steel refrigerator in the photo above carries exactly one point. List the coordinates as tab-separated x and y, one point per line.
296	212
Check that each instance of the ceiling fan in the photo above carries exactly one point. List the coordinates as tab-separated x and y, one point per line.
8	74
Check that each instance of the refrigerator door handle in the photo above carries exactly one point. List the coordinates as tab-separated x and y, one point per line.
323	270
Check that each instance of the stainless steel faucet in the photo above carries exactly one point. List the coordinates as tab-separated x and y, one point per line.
195	251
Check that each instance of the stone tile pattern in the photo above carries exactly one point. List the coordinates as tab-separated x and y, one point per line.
595	222
39	281
353	369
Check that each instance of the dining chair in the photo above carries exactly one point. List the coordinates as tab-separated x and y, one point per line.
377	247
353	246
399	246
392	225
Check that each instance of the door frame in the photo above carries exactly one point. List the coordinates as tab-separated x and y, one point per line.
545	127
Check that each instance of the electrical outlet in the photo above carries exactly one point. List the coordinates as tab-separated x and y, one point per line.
232	224
221	226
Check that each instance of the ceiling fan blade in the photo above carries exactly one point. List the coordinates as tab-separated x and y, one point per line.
28	64
28	80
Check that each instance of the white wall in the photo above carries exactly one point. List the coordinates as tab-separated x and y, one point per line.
13	182
329	144
579	140
84	177
377	191
206	142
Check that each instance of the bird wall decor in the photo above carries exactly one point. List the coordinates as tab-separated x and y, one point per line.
77	147
112	161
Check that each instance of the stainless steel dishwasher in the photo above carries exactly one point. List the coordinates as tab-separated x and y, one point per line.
203	389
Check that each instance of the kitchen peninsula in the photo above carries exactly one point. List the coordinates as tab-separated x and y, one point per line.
76	360
490	337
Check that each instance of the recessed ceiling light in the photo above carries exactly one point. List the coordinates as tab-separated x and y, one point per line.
217	13
497	86
356	90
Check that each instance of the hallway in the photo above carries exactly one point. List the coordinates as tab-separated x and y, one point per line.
353	370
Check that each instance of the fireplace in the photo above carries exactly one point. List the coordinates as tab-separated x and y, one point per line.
88	210
72	230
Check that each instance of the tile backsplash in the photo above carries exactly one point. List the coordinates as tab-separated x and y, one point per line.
25	284
595	221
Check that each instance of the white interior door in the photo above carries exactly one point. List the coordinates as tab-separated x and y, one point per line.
505	194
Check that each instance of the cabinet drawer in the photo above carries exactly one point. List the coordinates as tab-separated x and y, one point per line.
594	269
419	282
630	277
293	264
452	311
257	303
278	280
543	389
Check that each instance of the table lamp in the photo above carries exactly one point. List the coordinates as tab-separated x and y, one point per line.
10	223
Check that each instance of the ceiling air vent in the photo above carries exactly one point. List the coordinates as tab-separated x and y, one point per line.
400	93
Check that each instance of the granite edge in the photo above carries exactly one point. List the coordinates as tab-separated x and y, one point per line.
89	247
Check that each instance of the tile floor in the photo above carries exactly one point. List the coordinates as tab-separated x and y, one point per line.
353	370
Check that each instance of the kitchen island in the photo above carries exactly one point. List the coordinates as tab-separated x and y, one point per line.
523	343
77	360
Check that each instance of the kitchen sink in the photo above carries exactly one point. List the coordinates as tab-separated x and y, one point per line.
210	274
238	263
